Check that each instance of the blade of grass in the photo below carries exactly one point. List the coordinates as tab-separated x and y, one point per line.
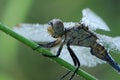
41	50
14	11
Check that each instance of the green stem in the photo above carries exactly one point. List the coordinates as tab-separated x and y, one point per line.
41	50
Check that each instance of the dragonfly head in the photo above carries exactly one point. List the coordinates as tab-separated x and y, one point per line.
56	28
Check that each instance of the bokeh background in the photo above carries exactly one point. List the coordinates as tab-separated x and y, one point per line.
19	62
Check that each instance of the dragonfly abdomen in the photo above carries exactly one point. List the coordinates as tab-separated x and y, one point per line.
100	52
113	63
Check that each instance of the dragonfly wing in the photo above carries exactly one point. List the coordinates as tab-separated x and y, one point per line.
110	43
83	54
69	24
38	32
93	21
34	32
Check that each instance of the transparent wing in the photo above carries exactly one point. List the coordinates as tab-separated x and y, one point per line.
110	43
37	32
83	54
69	24
34	32
93	21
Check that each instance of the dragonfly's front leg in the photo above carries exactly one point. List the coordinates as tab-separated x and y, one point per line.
53	44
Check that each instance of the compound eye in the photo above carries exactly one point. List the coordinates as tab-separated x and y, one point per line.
50	23
86	28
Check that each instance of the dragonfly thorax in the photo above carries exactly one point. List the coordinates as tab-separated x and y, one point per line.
56	28
81	36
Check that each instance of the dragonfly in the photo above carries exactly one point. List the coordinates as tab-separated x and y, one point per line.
75	42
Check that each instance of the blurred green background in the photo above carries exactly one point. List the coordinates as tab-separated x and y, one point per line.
19	62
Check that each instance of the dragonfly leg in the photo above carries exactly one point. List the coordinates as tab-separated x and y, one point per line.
58	52
53	44
46	45
50	44
65	75
75	61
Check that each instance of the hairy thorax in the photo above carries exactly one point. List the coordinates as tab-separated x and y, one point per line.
80	36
